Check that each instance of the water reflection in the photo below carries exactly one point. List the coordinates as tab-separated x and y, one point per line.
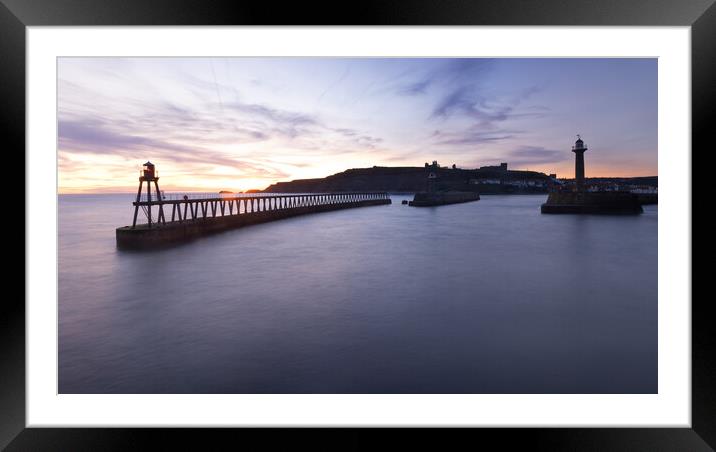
485	297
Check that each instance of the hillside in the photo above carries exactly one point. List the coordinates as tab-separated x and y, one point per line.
414	179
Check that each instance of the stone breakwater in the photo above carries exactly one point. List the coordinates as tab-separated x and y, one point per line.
442	198
592	203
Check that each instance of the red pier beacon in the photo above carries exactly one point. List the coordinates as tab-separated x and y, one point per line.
148	174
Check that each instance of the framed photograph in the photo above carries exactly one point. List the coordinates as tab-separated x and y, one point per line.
245	218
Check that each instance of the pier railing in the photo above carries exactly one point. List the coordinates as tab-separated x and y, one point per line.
192	208
174	196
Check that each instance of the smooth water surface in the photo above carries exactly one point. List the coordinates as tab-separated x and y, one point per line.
483	297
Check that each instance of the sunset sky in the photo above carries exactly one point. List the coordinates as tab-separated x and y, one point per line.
214	124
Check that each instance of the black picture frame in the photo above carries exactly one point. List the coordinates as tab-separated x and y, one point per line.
16	15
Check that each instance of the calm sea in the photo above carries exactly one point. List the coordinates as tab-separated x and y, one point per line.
483	297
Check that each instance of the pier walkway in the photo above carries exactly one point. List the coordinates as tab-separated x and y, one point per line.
183	218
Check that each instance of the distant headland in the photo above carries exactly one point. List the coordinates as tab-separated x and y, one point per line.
412	179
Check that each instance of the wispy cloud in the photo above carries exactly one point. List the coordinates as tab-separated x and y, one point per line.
472	136
200	137
413	89
273	114
534	155
442	73
489	115
483	107
97	137
337	82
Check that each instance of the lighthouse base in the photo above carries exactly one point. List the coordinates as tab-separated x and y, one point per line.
613	203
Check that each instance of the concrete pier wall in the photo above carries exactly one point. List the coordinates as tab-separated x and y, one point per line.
592	202
143	237
648	198
442	198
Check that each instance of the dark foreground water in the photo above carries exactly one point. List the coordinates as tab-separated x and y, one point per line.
483	297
